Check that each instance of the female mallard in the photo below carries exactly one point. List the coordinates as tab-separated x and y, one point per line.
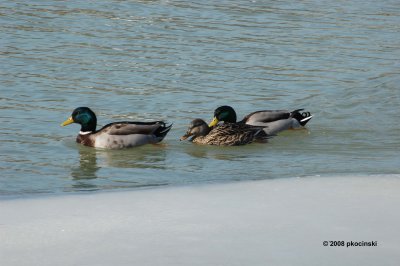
273	121
115	135
224	135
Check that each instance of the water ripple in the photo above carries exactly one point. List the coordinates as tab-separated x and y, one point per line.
177	60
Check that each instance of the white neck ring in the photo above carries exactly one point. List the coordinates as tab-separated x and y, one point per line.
84	132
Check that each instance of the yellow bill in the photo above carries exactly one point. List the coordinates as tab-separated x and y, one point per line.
68	121
214	122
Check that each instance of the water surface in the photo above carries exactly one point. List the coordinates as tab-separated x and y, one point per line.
179	60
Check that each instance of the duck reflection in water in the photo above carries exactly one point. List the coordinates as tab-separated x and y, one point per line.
86	169
91	161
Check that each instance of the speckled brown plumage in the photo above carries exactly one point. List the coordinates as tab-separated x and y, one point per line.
228	134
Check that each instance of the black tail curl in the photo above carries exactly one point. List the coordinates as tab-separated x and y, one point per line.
163	130
302	117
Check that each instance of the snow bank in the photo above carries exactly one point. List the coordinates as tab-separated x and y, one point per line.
271	222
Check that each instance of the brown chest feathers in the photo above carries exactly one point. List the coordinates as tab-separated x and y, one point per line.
86	140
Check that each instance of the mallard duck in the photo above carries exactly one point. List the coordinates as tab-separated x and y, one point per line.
273	121
229	134
115	135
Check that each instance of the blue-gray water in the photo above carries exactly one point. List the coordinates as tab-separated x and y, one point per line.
179	60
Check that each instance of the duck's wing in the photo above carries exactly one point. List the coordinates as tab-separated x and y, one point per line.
129	128
266	116
130	134
232	134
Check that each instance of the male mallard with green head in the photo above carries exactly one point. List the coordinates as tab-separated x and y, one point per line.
224	135
115	135
273	121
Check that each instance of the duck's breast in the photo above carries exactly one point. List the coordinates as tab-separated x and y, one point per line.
122	141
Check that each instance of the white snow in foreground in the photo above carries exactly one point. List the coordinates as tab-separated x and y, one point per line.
271	222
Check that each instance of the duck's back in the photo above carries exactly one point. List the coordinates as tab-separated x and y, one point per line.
231	134
126	134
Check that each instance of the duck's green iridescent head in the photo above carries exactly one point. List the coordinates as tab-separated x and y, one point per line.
223	113
83	116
